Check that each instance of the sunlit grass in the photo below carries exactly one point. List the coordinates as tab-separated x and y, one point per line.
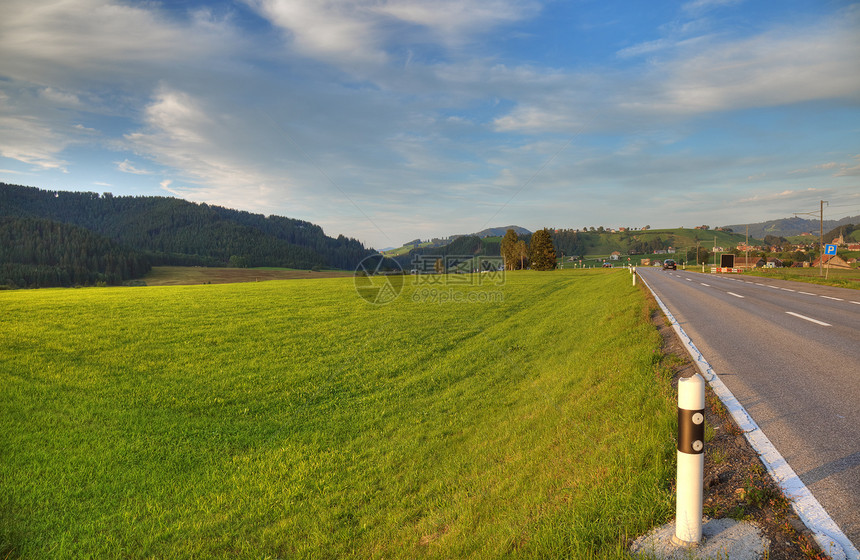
843	278
294	419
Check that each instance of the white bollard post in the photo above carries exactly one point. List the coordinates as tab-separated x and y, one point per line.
691	460
634	278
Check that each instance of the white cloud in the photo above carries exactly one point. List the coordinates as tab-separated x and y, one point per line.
30	141
181	134
127	167
782	196
699	75
700	6
454	20
349	32
849	171
75	45
60	98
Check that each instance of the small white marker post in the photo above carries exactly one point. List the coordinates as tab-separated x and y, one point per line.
633	271
691	460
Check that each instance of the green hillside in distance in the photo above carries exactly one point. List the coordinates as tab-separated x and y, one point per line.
588	244
488	234
163	231
792	227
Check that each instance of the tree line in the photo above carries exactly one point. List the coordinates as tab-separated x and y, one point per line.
171	231
43	253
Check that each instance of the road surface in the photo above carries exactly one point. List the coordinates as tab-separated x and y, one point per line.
790	353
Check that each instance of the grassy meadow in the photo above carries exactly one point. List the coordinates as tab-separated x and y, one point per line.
292	419
184	275
843	278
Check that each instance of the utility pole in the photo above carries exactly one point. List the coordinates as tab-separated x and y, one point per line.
821	239
820	234
747	250
715	250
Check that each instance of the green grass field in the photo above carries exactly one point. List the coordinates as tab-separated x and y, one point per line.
292	419
843	278
185	275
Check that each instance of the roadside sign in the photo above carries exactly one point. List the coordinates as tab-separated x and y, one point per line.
830	249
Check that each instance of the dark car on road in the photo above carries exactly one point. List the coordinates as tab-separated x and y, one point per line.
669	263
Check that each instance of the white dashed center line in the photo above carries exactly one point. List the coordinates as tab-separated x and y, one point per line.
833	298
736	295
810	319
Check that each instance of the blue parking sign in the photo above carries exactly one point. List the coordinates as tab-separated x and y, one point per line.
830	249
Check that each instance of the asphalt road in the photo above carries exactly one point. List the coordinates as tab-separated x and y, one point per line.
790	353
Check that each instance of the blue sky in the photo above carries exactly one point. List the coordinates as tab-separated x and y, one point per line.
389	120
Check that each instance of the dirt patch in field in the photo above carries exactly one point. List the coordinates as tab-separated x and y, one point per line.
188	275
737	485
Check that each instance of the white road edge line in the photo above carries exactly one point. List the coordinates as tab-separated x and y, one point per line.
706	285
806	293
810	319
736	295
857	302
833	298
826	532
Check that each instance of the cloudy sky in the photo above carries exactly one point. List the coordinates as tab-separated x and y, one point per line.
388	120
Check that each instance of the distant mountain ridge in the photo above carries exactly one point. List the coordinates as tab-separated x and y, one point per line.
788	227
500	231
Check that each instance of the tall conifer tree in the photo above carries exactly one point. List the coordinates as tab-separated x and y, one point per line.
542	251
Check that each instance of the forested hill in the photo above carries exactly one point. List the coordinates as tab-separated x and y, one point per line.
174	231
44	253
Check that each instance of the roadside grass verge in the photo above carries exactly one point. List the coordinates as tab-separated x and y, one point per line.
841	278
295	420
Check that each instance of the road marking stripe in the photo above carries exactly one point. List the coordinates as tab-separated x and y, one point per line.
857	302
806	293
810	319
736	295
687	279
788	289
703	284
833	298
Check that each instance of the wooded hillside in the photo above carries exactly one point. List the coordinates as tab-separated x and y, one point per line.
170	231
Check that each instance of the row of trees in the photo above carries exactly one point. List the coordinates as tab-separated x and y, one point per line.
540	253
178	232
649	246
43	253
